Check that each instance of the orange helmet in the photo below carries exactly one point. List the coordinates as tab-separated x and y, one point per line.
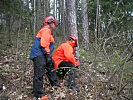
50	20
74	38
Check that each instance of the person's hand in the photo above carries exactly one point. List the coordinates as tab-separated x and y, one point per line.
77	63
49	60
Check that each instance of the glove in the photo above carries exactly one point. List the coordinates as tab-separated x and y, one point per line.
77	63
48	58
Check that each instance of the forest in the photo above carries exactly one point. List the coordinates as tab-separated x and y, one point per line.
104	29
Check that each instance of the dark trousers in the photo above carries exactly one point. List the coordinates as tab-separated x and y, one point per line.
51	74
71	74
39	70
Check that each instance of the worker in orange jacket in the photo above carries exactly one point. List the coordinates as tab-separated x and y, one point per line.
41	54
64	57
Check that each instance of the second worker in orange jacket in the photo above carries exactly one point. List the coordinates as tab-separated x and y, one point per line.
64	57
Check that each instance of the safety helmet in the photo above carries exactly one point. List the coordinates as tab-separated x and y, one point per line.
50	20
74	40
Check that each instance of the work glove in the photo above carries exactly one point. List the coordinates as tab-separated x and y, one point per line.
77	64
48	58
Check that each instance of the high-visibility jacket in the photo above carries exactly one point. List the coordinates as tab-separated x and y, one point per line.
44	43
65	52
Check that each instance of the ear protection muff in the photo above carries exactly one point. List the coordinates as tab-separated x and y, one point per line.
72	40
50	21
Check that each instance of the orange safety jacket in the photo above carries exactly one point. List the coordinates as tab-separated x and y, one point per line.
46	38
65	52
44	43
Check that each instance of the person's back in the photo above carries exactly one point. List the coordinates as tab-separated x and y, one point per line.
65	52
59	53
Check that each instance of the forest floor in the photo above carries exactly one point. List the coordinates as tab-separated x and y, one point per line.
16	76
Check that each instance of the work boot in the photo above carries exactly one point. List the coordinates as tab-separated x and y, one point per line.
43	98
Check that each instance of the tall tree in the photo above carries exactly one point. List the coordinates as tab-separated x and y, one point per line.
63	17
97	21
34	17
47	7
39	14
85	32
71	16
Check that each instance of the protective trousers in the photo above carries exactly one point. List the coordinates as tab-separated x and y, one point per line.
39	68
40	64
71	74
51	74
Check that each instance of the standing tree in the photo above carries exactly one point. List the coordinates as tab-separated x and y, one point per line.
34	30
71	16
85	24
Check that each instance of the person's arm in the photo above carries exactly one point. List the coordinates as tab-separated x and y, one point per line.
45	40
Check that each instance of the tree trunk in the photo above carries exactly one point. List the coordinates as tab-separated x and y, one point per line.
47	7
27	4
44	12
96	27
9	42
97	21
39	14
54	8
59	9
85	24
34	17
71	16
63	17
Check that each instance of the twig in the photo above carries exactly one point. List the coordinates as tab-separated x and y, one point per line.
130	44
123	68
106	42
122	88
